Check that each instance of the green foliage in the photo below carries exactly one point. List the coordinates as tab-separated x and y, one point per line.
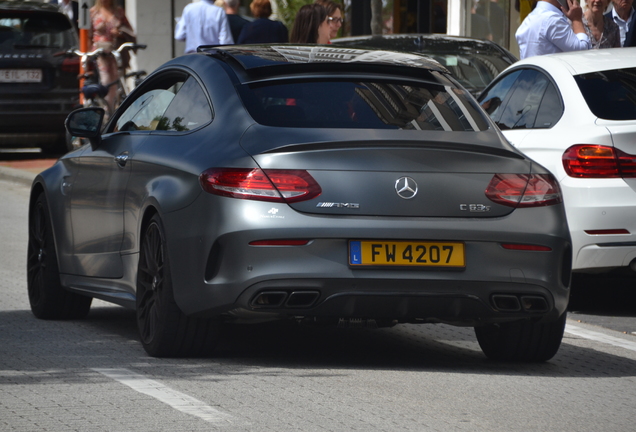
163	123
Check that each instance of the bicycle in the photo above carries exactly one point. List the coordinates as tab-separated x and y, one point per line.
94	92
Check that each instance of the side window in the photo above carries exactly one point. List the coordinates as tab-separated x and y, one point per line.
491	101
146	110
550	110
610	94
521	110
188	110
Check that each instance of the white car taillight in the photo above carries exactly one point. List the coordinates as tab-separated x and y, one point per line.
597	161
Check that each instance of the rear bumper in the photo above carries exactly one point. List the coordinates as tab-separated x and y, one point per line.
605	256
594	205
459	303
215	271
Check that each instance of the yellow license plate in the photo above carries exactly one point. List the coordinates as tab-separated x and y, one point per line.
406	253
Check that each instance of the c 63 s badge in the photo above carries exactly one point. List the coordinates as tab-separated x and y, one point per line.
338	205
474	208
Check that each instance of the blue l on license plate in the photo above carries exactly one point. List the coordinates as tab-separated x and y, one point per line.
406	253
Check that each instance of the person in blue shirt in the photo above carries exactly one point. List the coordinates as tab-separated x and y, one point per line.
203	23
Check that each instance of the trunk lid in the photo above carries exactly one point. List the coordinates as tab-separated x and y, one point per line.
362	176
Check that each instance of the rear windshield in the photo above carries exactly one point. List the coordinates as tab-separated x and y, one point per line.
19	29
610	95
363	105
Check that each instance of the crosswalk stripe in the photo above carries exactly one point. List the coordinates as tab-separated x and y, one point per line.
175	399
600	337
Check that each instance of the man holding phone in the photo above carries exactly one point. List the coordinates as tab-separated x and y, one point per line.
546	30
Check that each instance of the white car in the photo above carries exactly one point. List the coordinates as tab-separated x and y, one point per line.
575	114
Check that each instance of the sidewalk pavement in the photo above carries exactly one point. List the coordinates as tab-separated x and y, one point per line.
24	171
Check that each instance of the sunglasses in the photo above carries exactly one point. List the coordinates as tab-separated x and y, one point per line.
335	20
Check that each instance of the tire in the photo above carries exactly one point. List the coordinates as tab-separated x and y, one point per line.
164	330
521	341
48	299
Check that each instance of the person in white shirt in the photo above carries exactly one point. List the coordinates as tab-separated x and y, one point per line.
546	30
624	16
203	23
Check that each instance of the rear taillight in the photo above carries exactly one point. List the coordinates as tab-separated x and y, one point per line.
71	65
524	190
597	161
262	185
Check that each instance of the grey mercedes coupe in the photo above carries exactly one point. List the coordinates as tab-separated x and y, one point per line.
319	184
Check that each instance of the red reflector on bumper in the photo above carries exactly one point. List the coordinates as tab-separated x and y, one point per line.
279	243
607	231
526	247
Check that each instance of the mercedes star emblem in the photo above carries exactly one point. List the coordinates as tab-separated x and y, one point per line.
406	187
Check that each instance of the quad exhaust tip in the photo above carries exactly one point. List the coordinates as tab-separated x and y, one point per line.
277	299
534	304
513	303
270	299
302	298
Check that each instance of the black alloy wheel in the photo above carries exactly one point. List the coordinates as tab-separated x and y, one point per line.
47	297
164	330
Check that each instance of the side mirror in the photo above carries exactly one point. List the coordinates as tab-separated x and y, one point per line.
86	123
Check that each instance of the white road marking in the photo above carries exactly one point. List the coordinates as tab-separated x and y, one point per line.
175	399
600	337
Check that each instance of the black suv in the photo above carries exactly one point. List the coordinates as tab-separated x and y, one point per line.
38	84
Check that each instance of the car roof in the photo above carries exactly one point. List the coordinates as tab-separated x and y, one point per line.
582	62
260	57
28	6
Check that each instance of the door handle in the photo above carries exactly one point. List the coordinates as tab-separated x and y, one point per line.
121	159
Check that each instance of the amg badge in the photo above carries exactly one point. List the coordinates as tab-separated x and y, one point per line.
338	205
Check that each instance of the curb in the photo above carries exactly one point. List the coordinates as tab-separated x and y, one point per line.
17	175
